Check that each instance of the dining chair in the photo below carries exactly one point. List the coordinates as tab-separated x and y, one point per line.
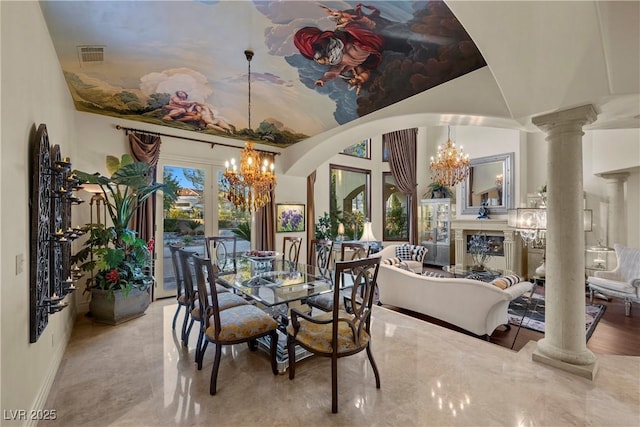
227	299
291	249
341	332
234	325
221	250
184	298
348	252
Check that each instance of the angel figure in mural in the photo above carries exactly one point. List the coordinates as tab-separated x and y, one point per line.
200	114
179	107
344	17
351	53
210	119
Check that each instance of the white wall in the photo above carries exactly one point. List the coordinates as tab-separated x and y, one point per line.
33	92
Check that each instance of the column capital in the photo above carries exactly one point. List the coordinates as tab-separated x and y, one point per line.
615	176
578	117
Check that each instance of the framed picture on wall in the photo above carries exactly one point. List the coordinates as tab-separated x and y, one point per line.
289	217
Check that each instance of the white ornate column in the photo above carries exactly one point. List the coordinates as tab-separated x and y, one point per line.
616	215
564	345
509	252
460	249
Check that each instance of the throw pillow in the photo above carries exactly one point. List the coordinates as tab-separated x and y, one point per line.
403	252
392	261
504	282
417	253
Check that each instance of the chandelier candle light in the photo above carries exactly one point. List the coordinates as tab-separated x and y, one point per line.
452	166
250	187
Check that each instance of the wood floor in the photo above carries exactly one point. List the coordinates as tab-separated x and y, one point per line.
615	334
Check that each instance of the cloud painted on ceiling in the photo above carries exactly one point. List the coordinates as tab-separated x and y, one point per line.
317	65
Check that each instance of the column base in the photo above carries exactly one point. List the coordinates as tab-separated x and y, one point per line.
586	371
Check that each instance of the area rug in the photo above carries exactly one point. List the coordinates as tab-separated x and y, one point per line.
534	314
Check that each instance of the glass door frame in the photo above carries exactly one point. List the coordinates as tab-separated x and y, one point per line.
210	211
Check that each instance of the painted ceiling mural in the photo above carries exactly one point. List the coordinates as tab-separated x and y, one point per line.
317	65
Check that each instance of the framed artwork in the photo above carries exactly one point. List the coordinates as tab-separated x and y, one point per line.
360	149
289	217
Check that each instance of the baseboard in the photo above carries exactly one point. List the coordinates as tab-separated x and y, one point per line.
55	361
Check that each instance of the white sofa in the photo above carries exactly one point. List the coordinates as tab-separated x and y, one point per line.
411	255
472	305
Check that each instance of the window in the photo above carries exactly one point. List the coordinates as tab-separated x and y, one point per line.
349	202
360	149
395	210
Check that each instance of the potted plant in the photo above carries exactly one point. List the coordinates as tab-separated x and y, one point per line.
122	259
438	191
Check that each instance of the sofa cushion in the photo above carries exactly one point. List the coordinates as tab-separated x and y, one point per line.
504	282
392	261
410	252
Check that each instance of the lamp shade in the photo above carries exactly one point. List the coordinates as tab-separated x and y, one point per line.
340	228
536	219
367	233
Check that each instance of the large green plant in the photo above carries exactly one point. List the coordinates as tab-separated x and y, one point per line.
121	258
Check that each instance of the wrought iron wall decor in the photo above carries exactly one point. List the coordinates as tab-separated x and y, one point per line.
52	189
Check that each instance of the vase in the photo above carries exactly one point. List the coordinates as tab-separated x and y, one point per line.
118	308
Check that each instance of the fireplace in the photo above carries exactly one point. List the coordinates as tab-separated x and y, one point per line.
508	249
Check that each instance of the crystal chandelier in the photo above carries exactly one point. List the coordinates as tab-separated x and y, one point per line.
249	188
451	167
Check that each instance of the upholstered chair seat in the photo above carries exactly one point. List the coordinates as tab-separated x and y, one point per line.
317	336
238	323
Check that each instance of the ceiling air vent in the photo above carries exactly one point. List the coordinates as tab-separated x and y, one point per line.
90	54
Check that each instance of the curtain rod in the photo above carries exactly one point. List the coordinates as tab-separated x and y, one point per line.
213	144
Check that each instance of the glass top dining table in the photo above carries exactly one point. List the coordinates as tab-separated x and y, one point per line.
274	281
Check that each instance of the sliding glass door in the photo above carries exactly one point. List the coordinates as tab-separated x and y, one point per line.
184	221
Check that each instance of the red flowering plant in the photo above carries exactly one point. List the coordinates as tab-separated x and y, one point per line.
121	258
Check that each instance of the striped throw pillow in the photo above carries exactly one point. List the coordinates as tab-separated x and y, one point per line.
504	282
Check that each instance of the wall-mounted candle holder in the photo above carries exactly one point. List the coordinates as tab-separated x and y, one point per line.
51	197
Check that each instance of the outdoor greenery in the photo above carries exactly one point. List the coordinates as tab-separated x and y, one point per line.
243	231
120	256
323	227
396	220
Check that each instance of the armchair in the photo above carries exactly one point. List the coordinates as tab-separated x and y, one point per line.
623	281
343	331
233	325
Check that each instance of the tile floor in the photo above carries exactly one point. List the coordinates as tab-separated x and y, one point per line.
138	374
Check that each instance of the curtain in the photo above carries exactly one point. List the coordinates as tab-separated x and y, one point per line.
145	148
401	146
265	218
311	215
266	226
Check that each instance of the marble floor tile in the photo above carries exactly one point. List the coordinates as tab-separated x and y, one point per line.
139	374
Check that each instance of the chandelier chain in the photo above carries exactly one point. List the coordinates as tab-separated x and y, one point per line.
249	188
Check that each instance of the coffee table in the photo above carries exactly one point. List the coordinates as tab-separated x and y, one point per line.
486	275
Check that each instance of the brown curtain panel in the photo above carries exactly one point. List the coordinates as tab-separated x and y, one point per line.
266	220
401	146
311	214
145	148
266	226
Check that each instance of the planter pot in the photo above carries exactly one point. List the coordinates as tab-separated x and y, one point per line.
118	309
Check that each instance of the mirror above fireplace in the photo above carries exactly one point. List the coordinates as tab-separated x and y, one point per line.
491	183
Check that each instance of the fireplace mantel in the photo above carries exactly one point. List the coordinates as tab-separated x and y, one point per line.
512	246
